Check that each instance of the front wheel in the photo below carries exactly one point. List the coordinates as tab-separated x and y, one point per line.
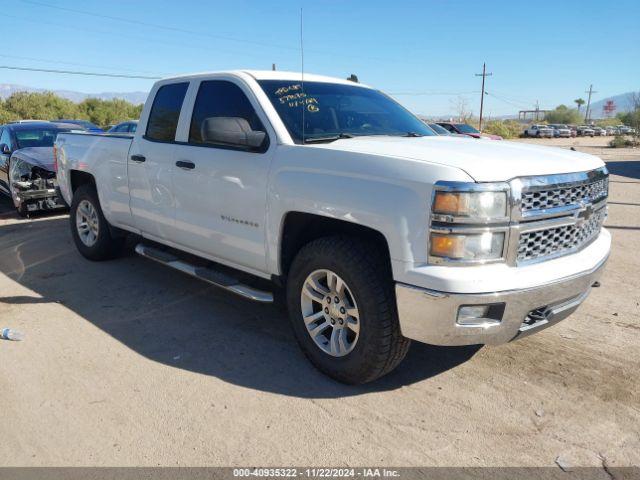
91	231
342	308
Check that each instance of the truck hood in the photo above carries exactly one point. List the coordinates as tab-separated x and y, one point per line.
37	156
484	161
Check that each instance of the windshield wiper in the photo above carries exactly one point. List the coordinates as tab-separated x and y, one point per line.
413	134
328	138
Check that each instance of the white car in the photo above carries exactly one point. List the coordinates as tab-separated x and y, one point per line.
540	131
560	130
377	230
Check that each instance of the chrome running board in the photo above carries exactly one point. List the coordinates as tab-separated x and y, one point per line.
209	275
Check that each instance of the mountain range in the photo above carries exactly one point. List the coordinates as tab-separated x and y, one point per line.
7	89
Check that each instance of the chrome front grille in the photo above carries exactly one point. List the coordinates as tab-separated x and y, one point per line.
564	196
546	243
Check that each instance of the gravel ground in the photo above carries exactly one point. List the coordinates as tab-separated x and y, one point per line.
128	363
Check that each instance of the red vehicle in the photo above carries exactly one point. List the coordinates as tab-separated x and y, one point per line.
466	129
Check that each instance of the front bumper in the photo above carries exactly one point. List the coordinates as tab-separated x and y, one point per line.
43	199
430	316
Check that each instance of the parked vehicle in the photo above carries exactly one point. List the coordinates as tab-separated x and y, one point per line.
124	127
443	131
585	131
466	129
598	131
574	130
440	130
560	130
623	129
27	166
378	230
540	131
83	124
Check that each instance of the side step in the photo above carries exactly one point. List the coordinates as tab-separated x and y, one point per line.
209	275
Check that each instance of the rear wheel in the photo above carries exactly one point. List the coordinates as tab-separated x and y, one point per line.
91	231
342	308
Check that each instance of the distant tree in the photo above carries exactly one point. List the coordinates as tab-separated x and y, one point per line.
461	107
563	114
108	112
579	102
48	106
40	106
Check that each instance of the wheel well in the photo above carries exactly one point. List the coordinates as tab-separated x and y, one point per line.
301	228
79	178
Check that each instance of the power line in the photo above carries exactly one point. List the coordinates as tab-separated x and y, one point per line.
73	72
59	62
206	34
154	25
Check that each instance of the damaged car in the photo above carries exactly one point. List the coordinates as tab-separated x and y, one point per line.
28	165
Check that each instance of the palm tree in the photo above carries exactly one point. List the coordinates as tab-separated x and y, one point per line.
579	102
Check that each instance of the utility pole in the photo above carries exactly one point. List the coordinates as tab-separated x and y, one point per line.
588	113
273	67
484	74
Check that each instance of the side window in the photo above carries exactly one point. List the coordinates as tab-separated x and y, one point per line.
5	137
133	127
165	112
223	116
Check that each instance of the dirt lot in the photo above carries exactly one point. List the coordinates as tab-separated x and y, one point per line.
127	363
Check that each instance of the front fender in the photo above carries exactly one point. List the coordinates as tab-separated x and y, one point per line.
391	196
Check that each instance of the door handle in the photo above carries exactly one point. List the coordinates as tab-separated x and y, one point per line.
138	158
185	164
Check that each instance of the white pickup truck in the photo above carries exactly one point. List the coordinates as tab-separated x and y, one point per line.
376	229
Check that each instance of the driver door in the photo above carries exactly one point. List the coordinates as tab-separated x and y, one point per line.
221	187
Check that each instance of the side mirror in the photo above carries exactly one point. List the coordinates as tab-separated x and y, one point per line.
234	131
4	148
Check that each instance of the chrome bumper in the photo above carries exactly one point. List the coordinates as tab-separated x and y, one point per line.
431	317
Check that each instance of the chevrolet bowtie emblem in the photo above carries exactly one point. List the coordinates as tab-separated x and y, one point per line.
586	212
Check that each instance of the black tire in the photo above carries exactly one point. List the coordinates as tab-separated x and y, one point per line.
106	246
380	346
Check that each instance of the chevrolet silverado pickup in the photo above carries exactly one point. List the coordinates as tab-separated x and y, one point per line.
329	194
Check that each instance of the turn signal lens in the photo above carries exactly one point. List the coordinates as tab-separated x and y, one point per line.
476	246
451	246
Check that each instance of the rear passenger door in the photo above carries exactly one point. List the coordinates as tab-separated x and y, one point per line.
151	164
220	185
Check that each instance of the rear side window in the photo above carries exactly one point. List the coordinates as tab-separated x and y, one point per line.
165	112
220	99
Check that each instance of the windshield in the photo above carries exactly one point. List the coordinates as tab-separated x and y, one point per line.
464	128
439	129
332	110
37	137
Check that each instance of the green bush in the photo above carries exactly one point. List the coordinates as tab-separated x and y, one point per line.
504	128
620	141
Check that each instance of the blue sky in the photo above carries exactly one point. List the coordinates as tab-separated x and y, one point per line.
545	51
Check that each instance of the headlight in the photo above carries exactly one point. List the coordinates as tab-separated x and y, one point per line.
467	246
481	205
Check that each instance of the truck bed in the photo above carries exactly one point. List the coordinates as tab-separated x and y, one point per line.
105	156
